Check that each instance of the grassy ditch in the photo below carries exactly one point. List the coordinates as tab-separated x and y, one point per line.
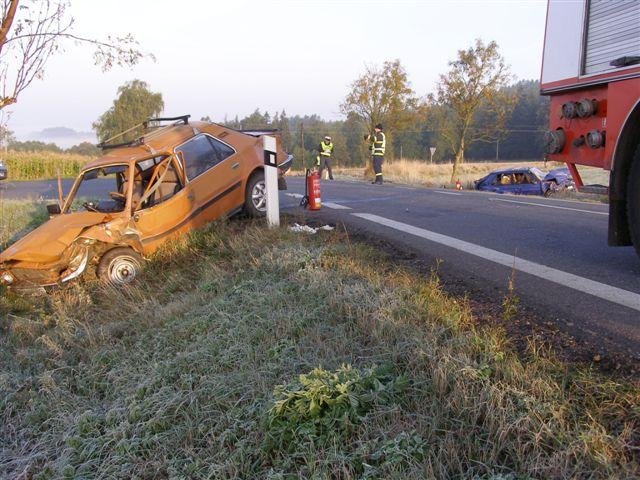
253	353
18	217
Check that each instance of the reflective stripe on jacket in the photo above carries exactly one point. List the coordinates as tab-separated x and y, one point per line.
326	149
379	143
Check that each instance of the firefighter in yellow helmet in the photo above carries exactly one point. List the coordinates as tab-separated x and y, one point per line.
378	145
325	152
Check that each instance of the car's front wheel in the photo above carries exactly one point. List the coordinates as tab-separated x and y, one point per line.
552	188
119	266
255	199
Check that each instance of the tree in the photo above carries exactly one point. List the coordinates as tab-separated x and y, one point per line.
382	95
33	146
281	122
134	104
474	84
33	30
256	121
87	149
524	128
6	136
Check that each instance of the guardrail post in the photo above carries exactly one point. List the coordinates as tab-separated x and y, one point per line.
271	180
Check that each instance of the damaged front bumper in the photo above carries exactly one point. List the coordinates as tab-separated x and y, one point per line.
22	275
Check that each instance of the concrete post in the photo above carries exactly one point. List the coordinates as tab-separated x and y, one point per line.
271	180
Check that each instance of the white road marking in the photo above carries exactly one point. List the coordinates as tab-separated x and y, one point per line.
335	206
597	289
446	193
547	206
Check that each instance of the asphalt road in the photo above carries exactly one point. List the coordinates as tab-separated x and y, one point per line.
40	190
555	250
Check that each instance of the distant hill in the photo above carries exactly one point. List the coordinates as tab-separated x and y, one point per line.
64	137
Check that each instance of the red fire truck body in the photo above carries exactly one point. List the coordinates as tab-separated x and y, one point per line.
591	71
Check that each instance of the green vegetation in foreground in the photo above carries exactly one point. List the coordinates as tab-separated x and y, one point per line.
43	165
18	217
254	353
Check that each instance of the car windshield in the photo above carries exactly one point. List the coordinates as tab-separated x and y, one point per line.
538	173
101	190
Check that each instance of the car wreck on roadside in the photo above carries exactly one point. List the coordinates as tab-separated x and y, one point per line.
173	179
525	181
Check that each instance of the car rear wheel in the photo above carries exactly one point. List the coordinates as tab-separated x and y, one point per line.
255	199
633	201
119	266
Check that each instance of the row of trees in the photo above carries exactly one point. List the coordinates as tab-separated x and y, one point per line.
411	137
519	138
475	112
83	148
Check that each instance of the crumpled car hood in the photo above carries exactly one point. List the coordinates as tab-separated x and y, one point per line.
47	242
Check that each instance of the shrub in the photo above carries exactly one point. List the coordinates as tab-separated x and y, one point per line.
322	406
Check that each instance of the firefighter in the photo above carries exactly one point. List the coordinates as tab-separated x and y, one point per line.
378	145
325	152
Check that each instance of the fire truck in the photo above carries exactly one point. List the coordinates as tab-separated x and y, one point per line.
591	72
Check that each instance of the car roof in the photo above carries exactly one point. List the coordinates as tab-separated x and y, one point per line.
160	141
513	170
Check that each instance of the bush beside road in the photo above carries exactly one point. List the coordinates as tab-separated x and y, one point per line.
253	353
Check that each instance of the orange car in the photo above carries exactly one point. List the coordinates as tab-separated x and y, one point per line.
124	205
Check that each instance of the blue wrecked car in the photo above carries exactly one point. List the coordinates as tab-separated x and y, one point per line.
526	181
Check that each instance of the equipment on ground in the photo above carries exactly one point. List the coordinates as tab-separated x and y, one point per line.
311	197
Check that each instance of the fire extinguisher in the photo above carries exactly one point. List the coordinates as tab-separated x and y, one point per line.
311	197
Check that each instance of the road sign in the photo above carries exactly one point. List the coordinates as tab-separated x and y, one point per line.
432	150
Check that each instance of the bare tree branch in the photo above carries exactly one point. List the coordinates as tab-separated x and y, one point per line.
33	31
7	20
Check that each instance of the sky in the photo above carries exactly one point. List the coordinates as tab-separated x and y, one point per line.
227	58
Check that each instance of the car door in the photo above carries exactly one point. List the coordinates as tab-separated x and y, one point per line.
160	202
531	185
501	183
214	182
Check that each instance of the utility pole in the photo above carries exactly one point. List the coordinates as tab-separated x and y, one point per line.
497	149
302	144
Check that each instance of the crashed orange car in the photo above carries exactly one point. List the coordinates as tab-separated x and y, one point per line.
171	180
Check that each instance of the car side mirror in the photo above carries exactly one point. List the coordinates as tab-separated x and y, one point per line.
53	209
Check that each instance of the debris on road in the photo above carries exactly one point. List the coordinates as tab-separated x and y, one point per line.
307	229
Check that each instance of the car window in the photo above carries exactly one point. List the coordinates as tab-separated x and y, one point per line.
100	190
222	150
502	179
537	173
158	183
202	153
